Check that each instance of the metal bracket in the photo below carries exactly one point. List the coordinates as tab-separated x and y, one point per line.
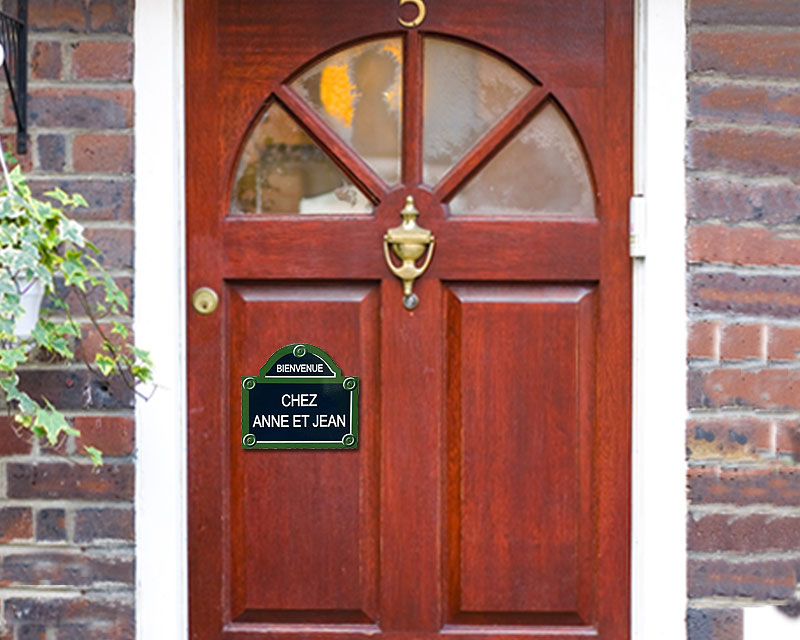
14	40
638	226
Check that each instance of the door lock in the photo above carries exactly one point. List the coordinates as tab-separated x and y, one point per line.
408	242
205	300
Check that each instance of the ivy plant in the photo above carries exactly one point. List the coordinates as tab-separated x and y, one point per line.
39	242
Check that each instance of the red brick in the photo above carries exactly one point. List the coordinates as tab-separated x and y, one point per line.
741	342
76	481
32	632
116	245
752	53
110	199
729	201
787	440
102	153
783	344
112	435
714	624
761	389
743	104
111	16
81	108
52	152
77	389
770	295
703	340
103	60
89	631
64	569
745	12
57	15
9	141
743	534
752	153
731	439
51	524
91	341
115	618
16	523
742	245
103	524
776	485
14	440
46	61
695	393
60	448
765	580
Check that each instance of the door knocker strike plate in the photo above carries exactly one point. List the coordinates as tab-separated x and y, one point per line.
408	242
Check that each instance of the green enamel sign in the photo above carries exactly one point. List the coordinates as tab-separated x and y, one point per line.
300	400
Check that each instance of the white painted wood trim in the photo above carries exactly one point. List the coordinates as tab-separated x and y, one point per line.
161	583
659	413
659	508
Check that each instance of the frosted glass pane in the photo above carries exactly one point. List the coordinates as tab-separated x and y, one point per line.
359	94
466	92
541	171
282	170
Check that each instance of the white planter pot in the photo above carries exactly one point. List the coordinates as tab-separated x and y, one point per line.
31	301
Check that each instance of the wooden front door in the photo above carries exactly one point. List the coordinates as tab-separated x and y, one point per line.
489	495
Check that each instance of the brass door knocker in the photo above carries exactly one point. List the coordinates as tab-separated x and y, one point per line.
409	242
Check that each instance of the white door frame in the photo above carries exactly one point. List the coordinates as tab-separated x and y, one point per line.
659	368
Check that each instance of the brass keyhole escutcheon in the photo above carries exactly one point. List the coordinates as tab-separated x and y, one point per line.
205	301
408	242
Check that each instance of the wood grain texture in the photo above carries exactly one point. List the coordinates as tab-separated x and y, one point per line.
305	541
432	529
520	371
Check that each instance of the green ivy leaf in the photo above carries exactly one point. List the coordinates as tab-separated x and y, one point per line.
114	295
38	241
119	329
72	231
52	421
79	201
58	194
95	454
11	358
105	363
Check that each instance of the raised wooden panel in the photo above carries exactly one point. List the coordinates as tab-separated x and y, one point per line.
304	524
520	362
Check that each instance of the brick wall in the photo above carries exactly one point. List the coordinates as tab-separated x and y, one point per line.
66	532
743	442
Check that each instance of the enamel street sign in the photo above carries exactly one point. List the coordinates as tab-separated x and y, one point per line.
300	400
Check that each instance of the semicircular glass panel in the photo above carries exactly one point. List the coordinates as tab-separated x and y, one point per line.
282	170
358	92
541	171
466	92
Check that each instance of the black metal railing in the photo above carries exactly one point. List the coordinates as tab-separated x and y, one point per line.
14	39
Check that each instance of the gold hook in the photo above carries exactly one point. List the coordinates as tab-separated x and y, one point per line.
409	242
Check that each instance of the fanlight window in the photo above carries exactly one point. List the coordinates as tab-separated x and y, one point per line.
466	93
359	94
282	170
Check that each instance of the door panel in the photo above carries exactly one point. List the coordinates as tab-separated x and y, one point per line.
520	384
489	494
307	520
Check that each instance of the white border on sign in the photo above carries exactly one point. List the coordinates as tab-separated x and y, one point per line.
659	546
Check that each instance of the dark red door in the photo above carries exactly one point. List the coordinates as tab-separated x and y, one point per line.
489	495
